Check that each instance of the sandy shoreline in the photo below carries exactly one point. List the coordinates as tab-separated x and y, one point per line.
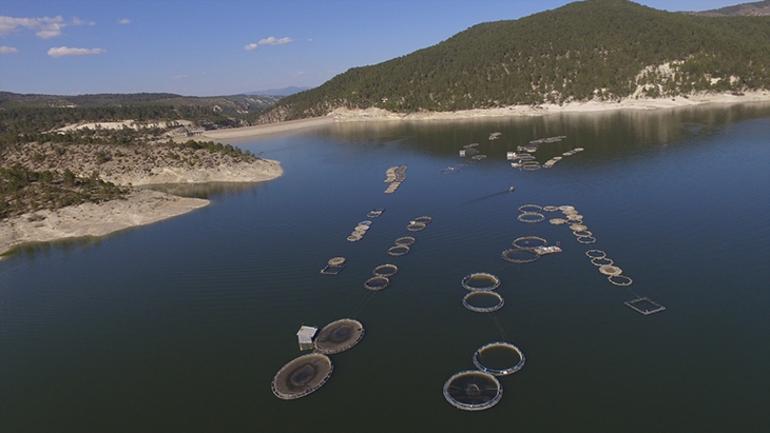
376	114
266	129
642	104
139	208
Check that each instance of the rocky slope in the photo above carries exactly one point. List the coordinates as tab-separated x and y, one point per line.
142	165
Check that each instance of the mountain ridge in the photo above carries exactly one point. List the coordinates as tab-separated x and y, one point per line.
754	9
595	49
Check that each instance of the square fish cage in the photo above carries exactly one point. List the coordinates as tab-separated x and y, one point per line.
645	306
331	270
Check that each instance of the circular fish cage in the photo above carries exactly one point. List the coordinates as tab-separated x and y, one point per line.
519	256
499	358
566	208
531	217
361	228
424	219
480	281
525	208
610	270
483	301
530	166
602	261
387	270
620	280
472	390
550	208
529	242
583	233
578	227
376	283
365	223
575	218
416	226
586	240
339	336
557	221
353	238
596	254
405	240
301	376
374	213
337	261
525	157
398	250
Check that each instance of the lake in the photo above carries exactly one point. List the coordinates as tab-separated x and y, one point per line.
180	326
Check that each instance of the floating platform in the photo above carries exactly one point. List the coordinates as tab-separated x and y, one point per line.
645	306
487	356
473	390
387	270
483	301
519	256
398	250
331	270
376	283
405	240
334	266
302	376
339	336
480	282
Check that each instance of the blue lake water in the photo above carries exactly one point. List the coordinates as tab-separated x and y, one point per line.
180	326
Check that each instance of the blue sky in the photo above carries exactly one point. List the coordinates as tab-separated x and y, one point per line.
200	47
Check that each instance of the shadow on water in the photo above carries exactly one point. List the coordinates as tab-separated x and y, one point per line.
209	191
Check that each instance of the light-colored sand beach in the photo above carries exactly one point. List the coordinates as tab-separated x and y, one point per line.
268	128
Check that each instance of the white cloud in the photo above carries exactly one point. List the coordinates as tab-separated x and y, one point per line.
270	40
44	27
8	50
68	51
124	21
78	22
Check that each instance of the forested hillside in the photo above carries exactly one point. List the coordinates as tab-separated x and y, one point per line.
596	49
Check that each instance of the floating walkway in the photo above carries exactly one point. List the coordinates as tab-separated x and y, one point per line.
394	177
